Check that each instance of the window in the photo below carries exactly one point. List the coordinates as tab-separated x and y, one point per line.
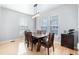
45	24
54	24
50	24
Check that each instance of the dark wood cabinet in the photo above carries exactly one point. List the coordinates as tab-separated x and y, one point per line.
67	40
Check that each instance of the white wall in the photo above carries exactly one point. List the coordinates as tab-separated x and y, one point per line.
10	22
78	23
78	26
67	14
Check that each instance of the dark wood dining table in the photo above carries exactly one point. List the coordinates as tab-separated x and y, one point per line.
39	37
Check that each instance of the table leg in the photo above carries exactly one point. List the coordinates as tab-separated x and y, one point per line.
39	45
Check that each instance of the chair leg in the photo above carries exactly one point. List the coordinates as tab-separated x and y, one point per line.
31	46
53	47
48	50
27	44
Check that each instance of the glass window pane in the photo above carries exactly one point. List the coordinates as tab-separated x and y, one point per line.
50	23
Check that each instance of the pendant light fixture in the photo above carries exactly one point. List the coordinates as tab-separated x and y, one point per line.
36	12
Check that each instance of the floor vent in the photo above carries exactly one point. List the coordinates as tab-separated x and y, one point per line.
71	54
12	41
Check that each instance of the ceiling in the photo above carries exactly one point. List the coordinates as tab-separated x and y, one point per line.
29	9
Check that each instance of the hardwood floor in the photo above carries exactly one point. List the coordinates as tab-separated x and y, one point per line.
19	48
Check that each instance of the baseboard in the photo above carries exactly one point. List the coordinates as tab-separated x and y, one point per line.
9	40
6	41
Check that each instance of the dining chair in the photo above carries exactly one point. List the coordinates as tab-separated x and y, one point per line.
44	31
31	40
26	38
39	31
48	43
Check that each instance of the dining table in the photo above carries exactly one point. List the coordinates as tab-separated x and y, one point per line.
39	37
